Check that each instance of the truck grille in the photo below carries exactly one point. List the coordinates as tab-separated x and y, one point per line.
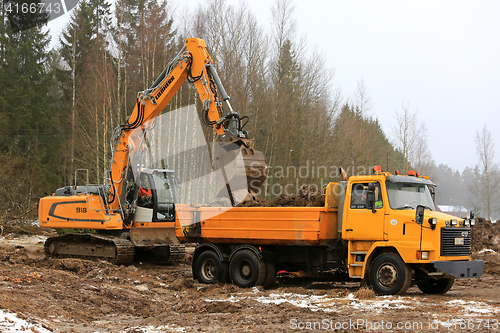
451	243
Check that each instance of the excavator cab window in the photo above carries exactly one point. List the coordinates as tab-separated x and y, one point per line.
165	196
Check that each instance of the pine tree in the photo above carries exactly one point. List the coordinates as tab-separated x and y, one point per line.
30	144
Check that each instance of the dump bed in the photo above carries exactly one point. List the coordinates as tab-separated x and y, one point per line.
256	225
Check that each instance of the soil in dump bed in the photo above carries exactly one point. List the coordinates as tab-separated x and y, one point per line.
308	197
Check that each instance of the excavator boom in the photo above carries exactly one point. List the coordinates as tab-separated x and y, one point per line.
194	64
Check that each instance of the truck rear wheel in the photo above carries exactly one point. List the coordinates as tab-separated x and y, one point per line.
431	286
209	268
270	274
389	275
246	270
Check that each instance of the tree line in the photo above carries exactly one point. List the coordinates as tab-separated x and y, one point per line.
59	105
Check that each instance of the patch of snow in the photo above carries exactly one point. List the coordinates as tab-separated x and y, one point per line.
476	307
159	329
457	301
10	323
487	251
331	304
350	296
231	299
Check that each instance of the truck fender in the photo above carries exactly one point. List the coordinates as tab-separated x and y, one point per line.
376	250
221	251
246	247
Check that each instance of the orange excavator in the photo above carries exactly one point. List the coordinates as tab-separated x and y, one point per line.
134	210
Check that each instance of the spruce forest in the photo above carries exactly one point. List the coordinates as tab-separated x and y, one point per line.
60	100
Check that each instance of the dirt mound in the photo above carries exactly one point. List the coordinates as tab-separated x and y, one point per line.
23	227
485	235
308	197
491	261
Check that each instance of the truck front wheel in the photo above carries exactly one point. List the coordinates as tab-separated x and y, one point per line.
247	270
209	268
389	275
431	286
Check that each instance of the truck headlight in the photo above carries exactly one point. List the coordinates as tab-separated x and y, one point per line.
472	222
462	223
453	223
467	223
433	222
423	255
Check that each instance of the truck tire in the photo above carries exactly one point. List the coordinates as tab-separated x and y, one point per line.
270	274
246	270
432	286
389	275
209	269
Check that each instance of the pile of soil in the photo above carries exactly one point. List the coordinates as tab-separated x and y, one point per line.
485	235
308	197
23	227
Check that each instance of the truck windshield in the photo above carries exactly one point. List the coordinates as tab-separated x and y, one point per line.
409	195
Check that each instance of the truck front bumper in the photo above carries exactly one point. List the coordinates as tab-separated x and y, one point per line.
461	269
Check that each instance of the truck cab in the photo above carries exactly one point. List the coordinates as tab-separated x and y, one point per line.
391	221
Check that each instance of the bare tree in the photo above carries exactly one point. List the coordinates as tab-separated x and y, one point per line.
421	159
283	22
486	188
405	134
363	100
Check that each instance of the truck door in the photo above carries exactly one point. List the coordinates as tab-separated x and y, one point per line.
360	222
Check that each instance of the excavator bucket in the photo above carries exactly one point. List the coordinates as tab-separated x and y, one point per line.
255	166
242	174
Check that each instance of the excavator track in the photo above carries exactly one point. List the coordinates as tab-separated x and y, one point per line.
162	255
177	253
90	247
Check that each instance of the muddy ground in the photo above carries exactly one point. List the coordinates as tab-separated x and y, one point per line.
68	295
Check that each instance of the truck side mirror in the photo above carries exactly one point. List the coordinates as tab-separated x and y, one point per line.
419	214
370	197
432	189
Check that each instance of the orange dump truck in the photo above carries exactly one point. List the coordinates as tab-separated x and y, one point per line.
382	229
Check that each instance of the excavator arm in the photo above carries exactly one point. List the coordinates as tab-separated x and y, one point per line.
194	64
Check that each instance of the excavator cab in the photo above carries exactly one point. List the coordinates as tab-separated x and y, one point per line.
154	196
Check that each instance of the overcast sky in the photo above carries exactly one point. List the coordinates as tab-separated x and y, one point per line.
440	56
